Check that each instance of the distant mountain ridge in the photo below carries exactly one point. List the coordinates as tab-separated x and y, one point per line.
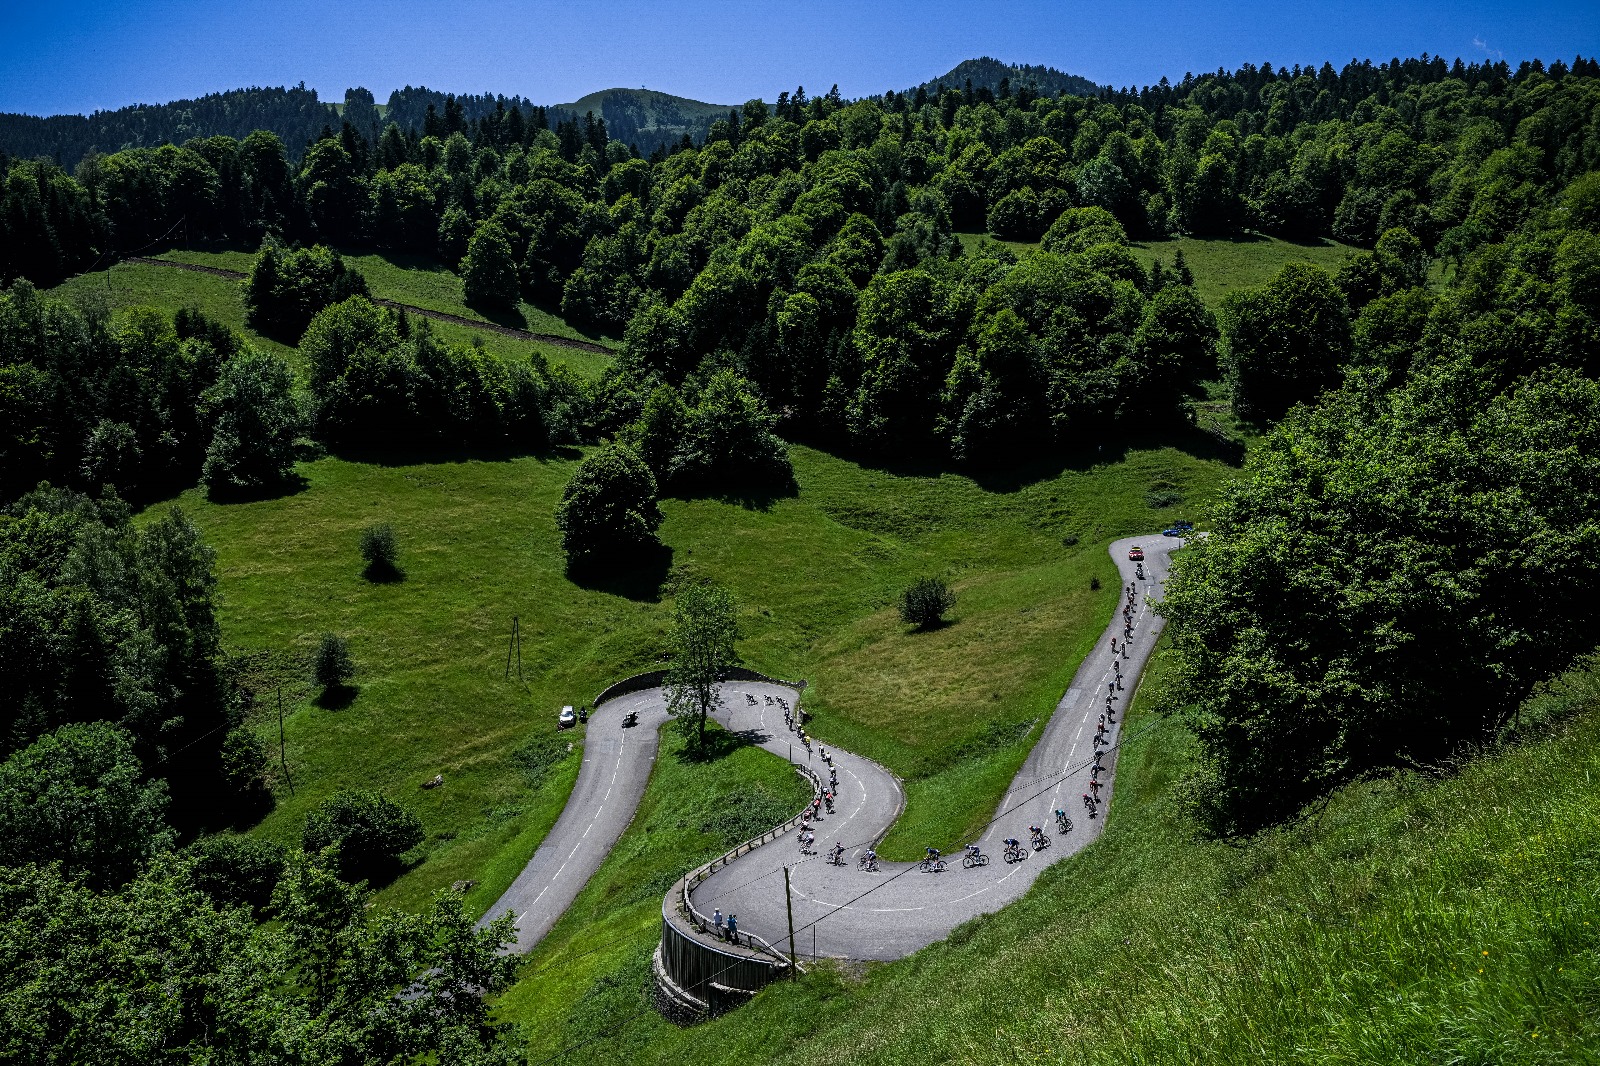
986	72
647	118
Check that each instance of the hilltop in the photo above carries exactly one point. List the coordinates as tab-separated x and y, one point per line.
646	117
986	73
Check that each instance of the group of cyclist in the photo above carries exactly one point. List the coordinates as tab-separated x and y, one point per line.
972	855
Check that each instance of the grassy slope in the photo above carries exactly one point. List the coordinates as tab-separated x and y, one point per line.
818	574
136	284
1220	266
1411	920
418	280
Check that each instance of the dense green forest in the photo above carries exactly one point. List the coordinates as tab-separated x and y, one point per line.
1409	550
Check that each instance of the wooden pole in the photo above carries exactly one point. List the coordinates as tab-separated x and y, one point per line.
788	902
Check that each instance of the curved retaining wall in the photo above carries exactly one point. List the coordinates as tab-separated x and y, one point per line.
657	678
696	972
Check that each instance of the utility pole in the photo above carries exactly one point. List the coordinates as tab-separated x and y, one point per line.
514	645
788	902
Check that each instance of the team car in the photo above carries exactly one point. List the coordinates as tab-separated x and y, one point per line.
1136	554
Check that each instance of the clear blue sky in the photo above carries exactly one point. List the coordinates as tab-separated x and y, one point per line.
78	55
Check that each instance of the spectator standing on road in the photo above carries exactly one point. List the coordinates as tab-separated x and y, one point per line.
733	928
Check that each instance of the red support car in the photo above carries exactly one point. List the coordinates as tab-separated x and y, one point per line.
1136	554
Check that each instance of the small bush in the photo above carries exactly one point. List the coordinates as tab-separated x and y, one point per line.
371	832
1159	498
238	871
380	550
332	667
924	603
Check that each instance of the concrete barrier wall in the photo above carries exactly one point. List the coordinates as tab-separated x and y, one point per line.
655	678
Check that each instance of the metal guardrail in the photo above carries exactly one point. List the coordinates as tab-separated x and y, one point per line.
694	877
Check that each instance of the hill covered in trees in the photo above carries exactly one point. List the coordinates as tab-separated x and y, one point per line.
987	73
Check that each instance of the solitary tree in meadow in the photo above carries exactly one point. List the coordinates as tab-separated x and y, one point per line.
703	631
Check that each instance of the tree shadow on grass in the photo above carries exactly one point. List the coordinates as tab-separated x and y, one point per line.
752	496
293	485
638	574
1049	463
719	744
429	454
384	573
337	697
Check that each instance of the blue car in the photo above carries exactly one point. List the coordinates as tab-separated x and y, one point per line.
1175	531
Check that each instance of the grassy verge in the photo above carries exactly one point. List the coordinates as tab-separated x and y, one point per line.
817	575
1412	919
593	967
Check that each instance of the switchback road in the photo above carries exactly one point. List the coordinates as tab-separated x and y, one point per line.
842	910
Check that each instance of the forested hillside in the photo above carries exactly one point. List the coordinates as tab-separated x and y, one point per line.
295	116
986	73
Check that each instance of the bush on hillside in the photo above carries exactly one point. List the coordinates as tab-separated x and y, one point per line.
1286	341
286	289
331	666
609	507
370	831
924	604
489	273
381	551
379	380
255	418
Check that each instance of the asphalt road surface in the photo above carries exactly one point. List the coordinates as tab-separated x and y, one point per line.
842	910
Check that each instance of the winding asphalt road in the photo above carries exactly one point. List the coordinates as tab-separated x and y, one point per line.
841	910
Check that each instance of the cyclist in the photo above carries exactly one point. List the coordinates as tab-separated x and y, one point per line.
1035	833
933	856
1062	821
974	853
837	855
868	860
